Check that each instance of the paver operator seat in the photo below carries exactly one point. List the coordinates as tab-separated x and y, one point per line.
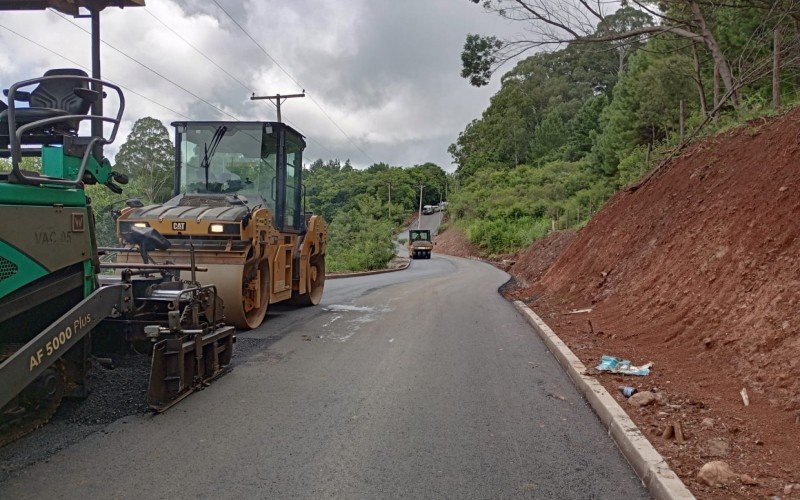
50	99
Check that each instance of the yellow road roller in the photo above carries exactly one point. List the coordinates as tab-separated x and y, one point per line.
239	208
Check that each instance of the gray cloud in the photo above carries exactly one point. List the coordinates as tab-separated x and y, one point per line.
386	71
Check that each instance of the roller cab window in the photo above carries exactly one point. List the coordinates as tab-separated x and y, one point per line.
259	162
228	158
419	235
294	166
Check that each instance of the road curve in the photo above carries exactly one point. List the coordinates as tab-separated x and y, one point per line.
423	383
430	222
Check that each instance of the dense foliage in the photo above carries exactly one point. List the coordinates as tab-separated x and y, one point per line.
570	126
356	205
359	239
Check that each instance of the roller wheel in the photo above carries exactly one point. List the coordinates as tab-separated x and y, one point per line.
316	271
244	292
255	295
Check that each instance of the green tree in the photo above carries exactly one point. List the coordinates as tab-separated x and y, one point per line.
28	163
645	107
569	126
148	158
578	21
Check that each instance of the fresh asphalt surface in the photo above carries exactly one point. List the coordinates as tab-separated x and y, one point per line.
431	222
423	383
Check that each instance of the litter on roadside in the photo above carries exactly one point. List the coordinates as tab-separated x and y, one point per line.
618	365
580	311
745	397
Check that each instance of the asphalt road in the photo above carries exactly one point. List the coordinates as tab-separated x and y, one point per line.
431	222
423	383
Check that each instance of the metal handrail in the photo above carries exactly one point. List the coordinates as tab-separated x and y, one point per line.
15	133
19	176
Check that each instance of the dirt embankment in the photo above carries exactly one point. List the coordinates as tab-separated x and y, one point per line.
526	266
698	271
530	264
454	242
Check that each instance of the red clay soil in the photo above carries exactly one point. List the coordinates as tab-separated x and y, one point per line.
698	271
453	241
530	264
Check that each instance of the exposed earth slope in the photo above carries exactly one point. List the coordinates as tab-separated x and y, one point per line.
698	270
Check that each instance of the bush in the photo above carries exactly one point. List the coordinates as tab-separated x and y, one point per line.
506	235
633	166
359	241
505	210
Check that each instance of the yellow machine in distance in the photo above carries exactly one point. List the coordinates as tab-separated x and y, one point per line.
419	243
239	203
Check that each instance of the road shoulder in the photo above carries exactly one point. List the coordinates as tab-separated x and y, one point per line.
401	264
650	466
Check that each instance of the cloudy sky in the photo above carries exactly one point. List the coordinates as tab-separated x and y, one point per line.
385	71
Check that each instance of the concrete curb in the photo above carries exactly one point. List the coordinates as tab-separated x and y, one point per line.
650	466
366	273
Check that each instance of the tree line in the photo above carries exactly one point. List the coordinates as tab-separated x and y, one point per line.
603	98
363	207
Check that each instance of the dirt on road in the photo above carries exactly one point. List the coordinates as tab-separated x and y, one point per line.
698	271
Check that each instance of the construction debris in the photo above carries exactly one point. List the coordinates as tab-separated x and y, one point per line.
717	474
674	430
748	480
580	311
718	447
623	366
640	399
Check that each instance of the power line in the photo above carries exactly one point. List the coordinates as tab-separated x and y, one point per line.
150	69
257	44
187	42
184	89
316	103
234	78
72	61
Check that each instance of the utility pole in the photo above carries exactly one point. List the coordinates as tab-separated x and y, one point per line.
279	99
419	216
97	105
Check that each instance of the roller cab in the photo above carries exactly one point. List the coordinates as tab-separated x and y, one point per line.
239	203
419	243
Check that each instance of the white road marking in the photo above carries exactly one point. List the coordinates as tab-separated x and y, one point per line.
347	308
338	316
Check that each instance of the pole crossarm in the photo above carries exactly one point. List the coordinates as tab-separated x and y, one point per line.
278	99
69	7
